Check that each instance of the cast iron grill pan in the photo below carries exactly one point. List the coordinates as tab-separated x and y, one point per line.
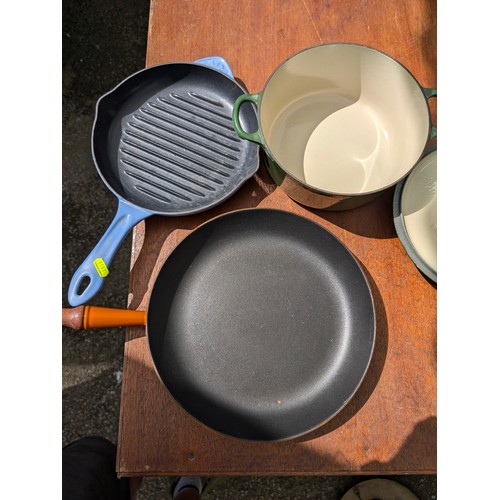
173	150
163	142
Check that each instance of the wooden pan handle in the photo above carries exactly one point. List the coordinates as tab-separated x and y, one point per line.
89	317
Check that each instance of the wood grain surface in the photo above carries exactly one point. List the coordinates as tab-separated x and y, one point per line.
389	427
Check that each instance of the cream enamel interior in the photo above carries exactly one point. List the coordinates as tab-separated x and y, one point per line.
419	209
344	119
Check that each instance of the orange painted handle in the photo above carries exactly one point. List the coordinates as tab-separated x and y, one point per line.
90	317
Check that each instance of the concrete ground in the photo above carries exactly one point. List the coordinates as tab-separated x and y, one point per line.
104	42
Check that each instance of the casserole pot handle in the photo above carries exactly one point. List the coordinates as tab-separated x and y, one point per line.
249	136
428	93
94	267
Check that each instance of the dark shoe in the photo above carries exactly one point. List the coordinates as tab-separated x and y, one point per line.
88	471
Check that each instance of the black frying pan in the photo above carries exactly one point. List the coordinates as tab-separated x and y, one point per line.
163	142
261	324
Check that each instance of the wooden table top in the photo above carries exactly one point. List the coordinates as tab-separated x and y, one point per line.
389	426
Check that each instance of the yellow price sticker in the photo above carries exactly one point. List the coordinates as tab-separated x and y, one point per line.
101	267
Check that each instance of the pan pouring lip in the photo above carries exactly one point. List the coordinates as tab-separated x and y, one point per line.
261	324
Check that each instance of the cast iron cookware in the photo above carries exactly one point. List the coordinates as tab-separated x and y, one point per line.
415	214
163	143
261	324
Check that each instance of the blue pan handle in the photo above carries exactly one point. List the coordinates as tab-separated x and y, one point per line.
95	266
217	63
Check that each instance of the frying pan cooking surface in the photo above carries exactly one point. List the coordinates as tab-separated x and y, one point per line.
261	324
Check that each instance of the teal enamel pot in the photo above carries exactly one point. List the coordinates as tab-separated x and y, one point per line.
415	214
339	123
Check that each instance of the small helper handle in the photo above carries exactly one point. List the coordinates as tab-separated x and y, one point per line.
95	267
218	63
249	136
428	93
91	317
